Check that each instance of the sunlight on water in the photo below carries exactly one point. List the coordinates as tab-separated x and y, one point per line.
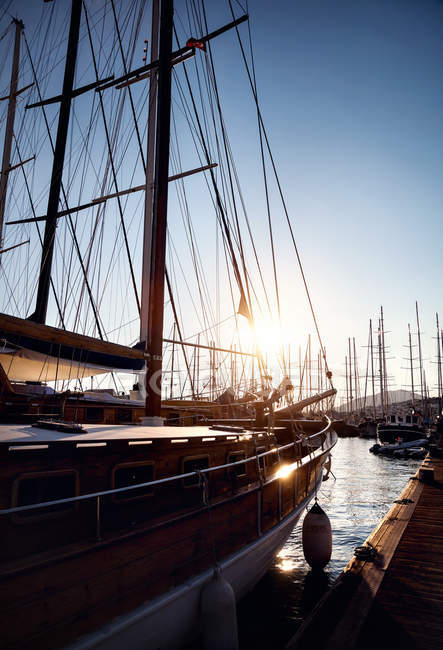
363	490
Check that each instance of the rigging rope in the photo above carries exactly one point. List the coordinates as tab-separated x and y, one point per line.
271	157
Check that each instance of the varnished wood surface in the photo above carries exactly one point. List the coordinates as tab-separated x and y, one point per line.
409	604
395	601
63	337
58	580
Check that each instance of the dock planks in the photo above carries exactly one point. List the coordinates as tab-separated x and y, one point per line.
395	601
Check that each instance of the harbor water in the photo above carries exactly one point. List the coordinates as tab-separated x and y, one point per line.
363	490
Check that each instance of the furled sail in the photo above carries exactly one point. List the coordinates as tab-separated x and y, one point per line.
31	351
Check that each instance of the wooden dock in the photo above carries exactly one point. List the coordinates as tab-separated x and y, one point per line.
390	595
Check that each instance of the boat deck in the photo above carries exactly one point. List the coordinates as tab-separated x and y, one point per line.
12	433
394	599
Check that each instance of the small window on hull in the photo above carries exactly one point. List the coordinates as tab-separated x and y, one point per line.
128	474
192	464
408	419
240	469
41	487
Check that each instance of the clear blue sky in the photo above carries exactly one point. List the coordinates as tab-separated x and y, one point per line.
351	94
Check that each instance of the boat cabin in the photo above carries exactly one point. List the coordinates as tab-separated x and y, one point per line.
403	420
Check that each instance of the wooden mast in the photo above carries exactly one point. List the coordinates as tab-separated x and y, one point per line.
150	171
41	307
159	221
6	162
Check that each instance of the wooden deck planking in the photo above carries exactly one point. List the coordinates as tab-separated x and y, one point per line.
411	595
397	600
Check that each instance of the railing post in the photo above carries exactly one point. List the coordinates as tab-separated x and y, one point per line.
260	492
98	521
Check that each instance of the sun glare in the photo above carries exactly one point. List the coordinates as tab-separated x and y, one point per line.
286	565
285	470
268	336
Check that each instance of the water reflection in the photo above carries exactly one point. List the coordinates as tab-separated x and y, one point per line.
315	584
285	564
364	489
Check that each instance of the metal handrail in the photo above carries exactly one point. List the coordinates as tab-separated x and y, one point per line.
95	495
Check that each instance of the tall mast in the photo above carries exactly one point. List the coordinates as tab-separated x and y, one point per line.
380	363
439	375
420	358
150	170
198	364
385	374
356	386
41	307
9	131
350	374
159	221
309	377
372	369
410	363
363	407
172	363
299	373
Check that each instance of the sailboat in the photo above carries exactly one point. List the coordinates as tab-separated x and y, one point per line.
111	532
401	431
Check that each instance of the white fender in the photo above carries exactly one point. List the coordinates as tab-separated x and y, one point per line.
219	614
317	537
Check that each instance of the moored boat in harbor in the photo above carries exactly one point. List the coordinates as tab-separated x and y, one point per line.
111	530
401	428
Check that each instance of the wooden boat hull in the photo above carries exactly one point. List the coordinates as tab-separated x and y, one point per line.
114	565
149	625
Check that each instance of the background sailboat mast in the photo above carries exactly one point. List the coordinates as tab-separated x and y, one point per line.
439	376
374	409
420	357
383	346
159	222
41	307
380	363
351	398
410	363
6	162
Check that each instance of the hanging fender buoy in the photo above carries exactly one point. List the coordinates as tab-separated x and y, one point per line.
327	467
317	537
218	614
